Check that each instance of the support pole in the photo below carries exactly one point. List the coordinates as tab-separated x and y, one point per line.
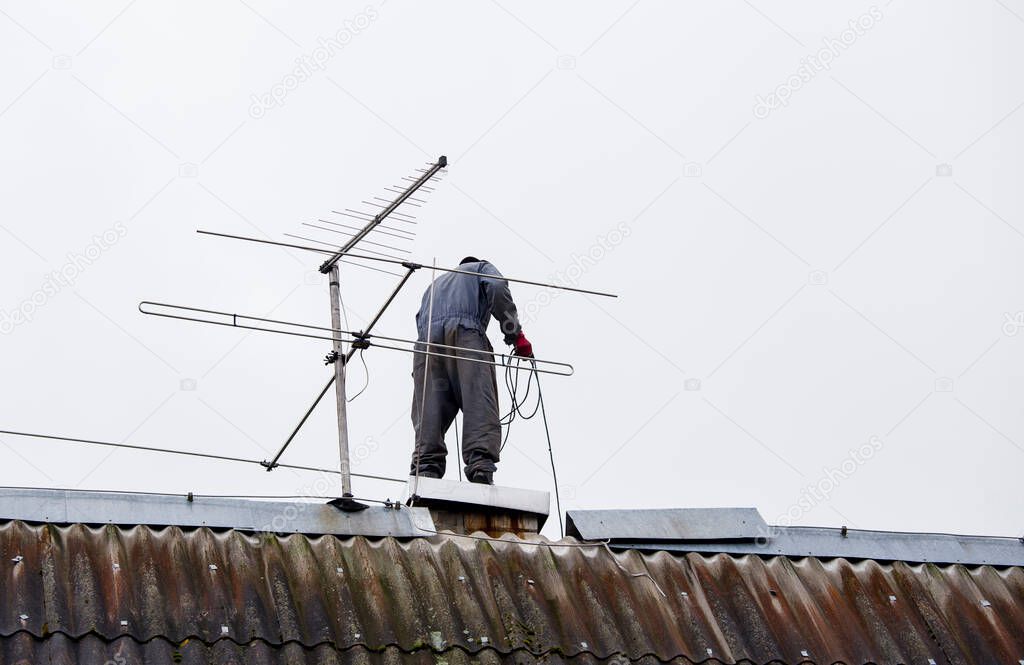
346	502
348	356
272	464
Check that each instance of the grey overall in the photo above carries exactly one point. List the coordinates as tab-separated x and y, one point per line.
462	307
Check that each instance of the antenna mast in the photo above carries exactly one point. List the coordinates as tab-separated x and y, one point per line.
337	356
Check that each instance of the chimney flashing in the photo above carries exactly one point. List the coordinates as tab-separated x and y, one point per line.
465	507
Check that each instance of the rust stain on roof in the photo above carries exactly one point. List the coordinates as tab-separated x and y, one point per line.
82	594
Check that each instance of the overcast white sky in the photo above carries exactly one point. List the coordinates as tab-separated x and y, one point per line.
818	311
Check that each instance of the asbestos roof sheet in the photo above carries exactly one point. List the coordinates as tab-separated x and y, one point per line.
62	650
78	594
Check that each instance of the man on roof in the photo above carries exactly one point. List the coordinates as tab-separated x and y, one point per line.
457	315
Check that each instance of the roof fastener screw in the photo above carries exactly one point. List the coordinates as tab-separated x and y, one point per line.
213	566
892	599
124	623
844	531
469	639
684	594
709	651
931	661
23	617
340	571
461	578
985	603
804	653
116	566
18	559
584	645
358	635
530	582
484	639
224	630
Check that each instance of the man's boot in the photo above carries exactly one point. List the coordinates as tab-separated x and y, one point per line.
482	477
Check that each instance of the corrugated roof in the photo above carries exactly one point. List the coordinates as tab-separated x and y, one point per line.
60	649
203	597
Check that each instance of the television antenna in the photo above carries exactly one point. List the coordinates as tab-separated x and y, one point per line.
383	209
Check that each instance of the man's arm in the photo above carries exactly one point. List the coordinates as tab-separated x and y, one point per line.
503	309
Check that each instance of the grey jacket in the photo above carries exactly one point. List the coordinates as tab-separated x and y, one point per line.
470	301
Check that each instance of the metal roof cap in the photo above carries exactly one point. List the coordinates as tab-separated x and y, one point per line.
667	525
311	518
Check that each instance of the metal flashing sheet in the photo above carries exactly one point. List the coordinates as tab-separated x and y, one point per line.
667	525
831	543
81	507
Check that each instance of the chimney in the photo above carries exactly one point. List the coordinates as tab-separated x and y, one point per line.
464	507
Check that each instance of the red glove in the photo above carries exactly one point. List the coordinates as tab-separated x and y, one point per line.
523	346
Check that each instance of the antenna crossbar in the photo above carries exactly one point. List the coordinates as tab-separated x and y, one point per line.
246	322
407	263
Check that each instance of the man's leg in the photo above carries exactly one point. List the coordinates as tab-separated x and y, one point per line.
433	410
477	392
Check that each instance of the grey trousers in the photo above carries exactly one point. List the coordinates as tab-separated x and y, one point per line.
453	384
